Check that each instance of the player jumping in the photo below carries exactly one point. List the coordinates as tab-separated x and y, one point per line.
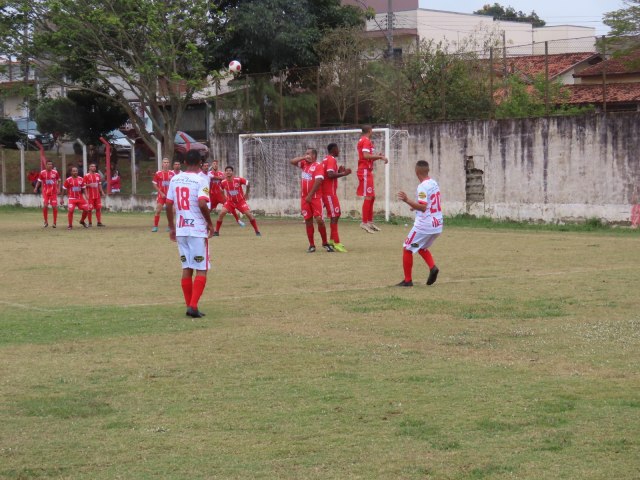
216	192
236	199
366	185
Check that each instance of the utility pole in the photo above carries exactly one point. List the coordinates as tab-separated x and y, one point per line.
390	28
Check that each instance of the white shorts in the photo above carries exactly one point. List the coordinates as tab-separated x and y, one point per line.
194	252
417	240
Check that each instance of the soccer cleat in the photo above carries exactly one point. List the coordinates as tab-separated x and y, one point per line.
404	283
366	228
53	226
311	249
216	234
433	275
90	225
338	247
373	227
194	313
69	227
84	224
154	229
241	223
328	248
45	225
258	234
101	224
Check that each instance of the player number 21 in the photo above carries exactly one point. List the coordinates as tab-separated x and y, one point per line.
182	195
435	203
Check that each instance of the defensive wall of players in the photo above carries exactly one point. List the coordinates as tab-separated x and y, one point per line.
546	169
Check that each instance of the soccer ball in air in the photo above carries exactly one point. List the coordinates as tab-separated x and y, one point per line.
235	66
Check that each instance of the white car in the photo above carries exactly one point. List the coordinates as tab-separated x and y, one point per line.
116	139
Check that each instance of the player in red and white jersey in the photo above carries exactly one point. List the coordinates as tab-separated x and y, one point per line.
160	182
93	188
233	189
366	184
426	227
190	226
330	192
73	186
311	179
49	178
216	192
176	167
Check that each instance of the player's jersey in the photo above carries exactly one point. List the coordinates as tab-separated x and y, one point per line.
330	185
92	185
364	146
233	189
162	179
74	187
184	192
215	177
310	171
429	221
49	182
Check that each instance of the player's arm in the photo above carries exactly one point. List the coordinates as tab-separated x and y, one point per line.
204	209
296	161
157	188
100	185
38	182
171	219
317	183
373	157
342	172
246	193
421	207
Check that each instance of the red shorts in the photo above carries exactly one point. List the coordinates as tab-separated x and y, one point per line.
217	200
312	209
366	186
77	202
50	200
95	203
242	207
332	205
161	200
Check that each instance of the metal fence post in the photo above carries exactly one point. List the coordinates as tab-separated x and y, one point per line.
21	148
4	171
546	78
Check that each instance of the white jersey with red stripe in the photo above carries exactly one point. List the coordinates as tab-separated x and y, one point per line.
429	221
184	192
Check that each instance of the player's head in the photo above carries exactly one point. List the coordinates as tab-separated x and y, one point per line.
228	171
48	165
193	158
165	164
422	169
205	166
74	171
214	165
367	129
333	149
176	165
92	167
312	153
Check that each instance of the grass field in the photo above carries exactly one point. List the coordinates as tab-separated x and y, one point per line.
522	361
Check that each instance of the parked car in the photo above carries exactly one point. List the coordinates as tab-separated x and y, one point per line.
116	139
25	132
143	151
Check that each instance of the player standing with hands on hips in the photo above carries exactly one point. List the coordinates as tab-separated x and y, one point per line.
426	227
191	227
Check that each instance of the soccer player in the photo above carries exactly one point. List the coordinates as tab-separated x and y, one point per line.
310	196
191	227
49	178
74	187
330	193
426	227
217	193
366	185
161	183
236	200
93	188
176	167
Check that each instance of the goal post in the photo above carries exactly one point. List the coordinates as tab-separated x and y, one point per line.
265	157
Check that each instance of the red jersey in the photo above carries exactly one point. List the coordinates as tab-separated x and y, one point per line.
330	185
214	182
74	187
49	182
92	185
233	189
310	171
364	146
162	179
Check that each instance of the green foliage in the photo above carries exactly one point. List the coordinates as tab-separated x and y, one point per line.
80	115
625	21
498	12
8	132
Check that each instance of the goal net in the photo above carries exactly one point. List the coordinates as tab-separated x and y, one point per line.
275	183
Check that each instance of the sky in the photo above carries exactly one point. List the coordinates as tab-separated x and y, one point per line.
587	13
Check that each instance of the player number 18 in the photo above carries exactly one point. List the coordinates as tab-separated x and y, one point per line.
182	196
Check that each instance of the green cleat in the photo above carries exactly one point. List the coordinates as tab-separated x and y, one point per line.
154	229
338	247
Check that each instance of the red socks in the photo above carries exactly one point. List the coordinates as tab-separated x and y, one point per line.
254	224
55	215
426	254
334	232
235	215
310	235
45	214
218	225
370	214
98	216
367	210
83	217
187	286
407	264
198	287
156	220
70	217
323	233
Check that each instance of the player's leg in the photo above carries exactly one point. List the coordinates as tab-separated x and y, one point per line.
316	209
223	212
186	281
156	213
72	206
53	201
99	212
45	211
409	247
247	211
198	261
428	258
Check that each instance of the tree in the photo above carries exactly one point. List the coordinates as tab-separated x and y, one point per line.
272	35
498	12
81	115
145	51
624	37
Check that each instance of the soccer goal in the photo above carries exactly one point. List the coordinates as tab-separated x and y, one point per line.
264	160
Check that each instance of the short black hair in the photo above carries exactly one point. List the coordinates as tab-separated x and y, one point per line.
422	164
229	167
193	158
331	146
366	128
